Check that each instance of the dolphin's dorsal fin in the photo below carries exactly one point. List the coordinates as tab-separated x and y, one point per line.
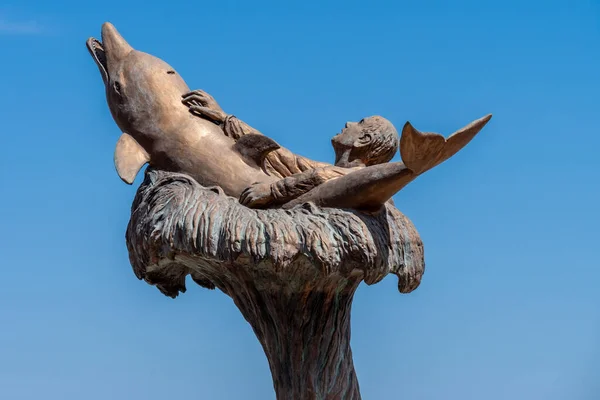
130	157
255	147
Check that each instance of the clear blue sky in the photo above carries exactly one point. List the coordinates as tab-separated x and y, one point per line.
509	304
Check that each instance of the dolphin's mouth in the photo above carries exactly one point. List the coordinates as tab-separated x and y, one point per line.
96	49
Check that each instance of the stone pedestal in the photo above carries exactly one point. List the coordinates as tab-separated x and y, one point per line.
292	273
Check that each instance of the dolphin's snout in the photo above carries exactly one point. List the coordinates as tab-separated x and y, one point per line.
115	46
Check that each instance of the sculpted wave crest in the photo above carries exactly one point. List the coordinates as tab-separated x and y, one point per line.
174	219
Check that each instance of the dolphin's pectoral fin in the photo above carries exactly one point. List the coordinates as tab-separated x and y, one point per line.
421	151
255	147
130	157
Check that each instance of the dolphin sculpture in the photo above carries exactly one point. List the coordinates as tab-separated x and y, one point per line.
144	97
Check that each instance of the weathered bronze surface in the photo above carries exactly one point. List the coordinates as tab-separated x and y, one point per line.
292	273
289	239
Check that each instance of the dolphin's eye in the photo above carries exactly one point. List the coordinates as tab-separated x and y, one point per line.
170	72
117	87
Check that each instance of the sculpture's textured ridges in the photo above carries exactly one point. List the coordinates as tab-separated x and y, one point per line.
173	215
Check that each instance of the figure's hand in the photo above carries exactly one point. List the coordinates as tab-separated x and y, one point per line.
203	99
204	105
257	195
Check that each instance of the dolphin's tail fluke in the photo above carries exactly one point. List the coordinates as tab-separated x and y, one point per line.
421	151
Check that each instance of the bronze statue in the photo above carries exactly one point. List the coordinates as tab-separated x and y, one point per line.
372	141
143	94
289	239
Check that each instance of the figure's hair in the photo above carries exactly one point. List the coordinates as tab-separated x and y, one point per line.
384	143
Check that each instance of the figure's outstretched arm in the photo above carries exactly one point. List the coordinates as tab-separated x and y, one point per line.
281	162
268	195
366	189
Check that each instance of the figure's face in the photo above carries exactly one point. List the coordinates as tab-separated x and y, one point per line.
348	136
349	144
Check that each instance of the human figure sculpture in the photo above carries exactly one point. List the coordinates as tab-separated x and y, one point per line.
369	142
372	141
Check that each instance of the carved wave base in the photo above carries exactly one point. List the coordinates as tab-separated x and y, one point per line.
292	273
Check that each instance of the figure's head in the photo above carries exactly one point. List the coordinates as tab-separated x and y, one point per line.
373	140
